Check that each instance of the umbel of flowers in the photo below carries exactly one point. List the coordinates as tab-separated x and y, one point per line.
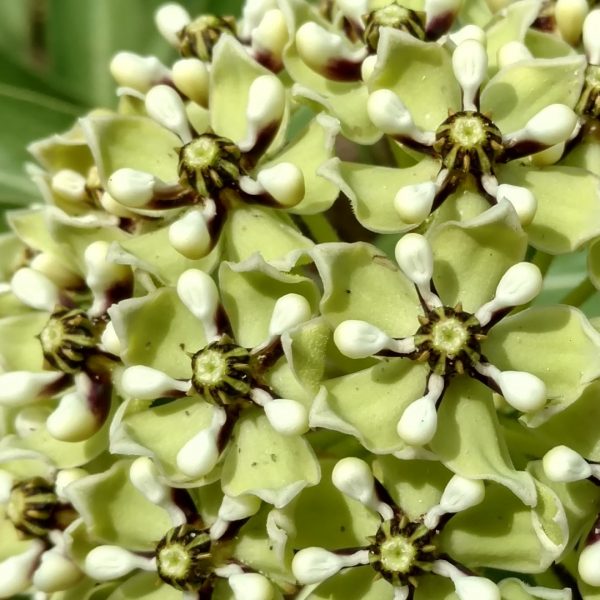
278	326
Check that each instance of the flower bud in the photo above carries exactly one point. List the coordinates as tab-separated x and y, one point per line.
145	383
469	62
64	478
521	199
131	188
418	422
565	465
287	417
359	339
110	340
234	508
589	559
271	34
55	573
413	202
69	184
313	565
519	285
459	494
190	76
415	258
353	477
73	420
551	125
190	236
469	32
569	16
512	53
368	67
197	290
105	563
591	36
289	311
131	70
170	19
18	388
251	586
34	289
522	391
476	588
165	106
388	113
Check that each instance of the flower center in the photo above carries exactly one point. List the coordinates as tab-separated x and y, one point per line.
209	164
449	339
222	372
395	16
402	549
468	141
589	102
183	558
199	37
31	506
67	340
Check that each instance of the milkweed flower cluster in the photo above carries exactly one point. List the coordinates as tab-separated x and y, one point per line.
278	326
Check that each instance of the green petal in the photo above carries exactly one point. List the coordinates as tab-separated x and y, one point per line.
585	155
521	90
329	518
501	533
358	583
557	344
371	190
471	257
145	586
138	429
115	512
476	12
309	151
158	331
420	73
133	142
359	282
19	347
232	73
568	212
266	464
249	292
593	263
469	441
515	589
415	485
544	44
511	27
251	229
153	253
371	402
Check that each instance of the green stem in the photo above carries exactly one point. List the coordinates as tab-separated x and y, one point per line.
580	294
542	261
320	228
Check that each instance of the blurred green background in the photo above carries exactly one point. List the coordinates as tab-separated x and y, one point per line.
54	57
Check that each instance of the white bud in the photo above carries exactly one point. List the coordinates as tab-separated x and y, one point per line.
34	289
145	478
551	125
199	455
512	53
313	565
284	182
53	268
69	184
6	483
146	383
318	47
469	62
131	188
565	465
476	588
197	290
18	388
589	564
359	339
112	207
251	586
190	76
368	67
521	199
55	573
522	390
469	32
591	36
271	34
235	508
110	340
170	19
252	14
64	478
189	235
418	422
73	420
353	477
289	311
413	202
570	16
131	70
459	494
388	113
415	258
519	285
105	563
15	572
165	106
287	417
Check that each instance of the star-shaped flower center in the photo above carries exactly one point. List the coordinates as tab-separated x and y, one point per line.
31	506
